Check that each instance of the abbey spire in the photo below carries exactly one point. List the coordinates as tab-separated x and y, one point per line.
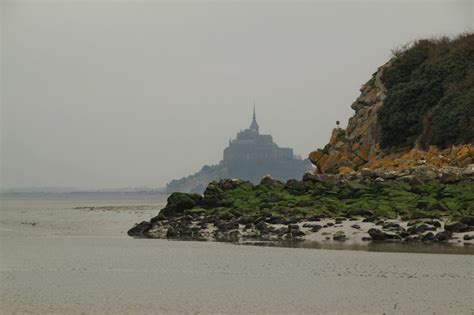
254	125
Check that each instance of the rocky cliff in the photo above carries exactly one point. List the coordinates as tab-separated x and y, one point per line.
416	112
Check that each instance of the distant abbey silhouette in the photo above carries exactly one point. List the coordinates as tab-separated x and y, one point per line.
249	157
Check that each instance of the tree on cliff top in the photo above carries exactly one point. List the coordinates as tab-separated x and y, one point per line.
430	97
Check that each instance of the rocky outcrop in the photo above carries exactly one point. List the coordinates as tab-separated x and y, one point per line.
366	209
415	115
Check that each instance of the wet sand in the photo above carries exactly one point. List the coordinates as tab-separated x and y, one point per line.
75	261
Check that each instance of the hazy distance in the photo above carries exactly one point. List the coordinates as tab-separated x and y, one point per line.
131	93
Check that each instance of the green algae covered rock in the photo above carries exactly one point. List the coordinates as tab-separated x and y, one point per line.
388	199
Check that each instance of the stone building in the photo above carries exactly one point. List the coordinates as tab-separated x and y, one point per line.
252	155
249	157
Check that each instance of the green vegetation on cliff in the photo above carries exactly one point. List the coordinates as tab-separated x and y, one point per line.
235	199
430	94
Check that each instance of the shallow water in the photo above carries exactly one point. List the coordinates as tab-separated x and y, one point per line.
394	247
75	261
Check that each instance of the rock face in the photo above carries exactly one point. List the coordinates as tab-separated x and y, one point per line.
363	146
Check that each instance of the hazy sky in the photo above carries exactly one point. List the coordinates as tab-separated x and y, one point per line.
131	93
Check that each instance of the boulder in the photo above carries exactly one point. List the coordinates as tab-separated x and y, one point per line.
378	235
178	202
293	227
140	230
449	175
428	237
467	237
389	175
457	227
276	220
433	223
296	233
443	236
367	173
262	227
339	236
267	180
420	228
311	177
225	226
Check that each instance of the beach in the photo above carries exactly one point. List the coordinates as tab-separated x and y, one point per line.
71	255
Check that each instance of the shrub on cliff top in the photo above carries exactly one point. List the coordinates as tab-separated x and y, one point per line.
429	94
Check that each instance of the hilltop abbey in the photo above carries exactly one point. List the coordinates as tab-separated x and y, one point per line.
249	157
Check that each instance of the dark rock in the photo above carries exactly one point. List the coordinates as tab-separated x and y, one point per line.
178	202
292	220
233	235
457	227
391	225
468	237
281	231
367	173
434	223
140	230
225	226
355	226
443	236
468	220
379	222
248	226
403	234
172	232
316	228
293	227
246	219
159	217
203	225
276	220
261	226
449	177
428	237
378	235
339	236
329	224
420	228
316	217
366	239
297	233
372	218
362	212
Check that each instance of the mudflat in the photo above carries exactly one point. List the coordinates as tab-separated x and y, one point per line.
72	255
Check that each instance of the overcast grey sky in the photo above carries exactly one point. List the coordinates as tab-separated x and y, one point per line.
131	93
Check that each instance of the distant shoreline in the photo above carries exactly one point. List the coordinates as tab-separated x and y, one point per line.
157	192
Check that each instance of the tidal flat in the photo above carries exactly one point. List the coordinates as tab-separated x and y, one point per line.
71	255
